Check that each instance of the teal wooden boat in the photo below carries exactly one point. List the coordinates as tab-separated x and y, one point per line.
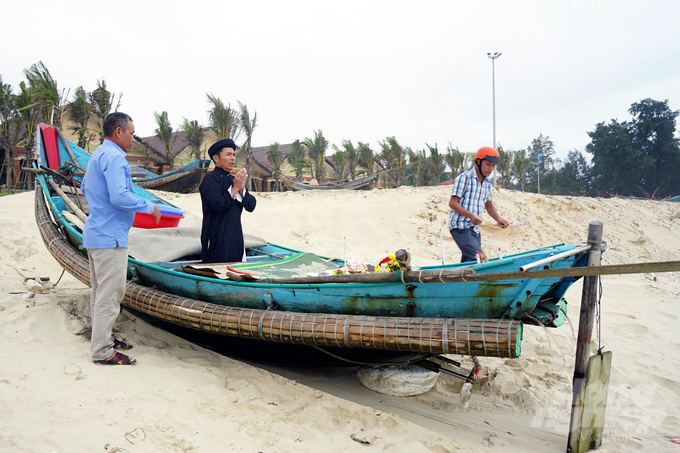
284	295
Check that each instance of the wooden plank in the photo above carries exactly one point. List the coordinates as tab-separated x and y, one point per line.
592	403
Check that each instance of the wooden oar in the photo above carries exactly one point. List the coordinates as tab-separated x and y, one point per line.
68	149
266	253
81	215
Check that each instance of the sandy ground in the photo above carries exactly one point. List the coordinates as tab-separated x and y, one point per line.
183	398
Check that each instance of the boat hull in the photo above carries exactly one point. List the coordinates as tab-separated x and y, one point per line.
185	179
488	300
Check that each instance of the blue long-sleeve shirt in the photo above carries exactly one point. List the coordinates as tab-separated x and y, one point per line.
107	186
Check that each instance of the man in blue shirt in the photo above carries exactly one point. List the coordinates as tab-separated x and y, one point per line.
471	194
107	186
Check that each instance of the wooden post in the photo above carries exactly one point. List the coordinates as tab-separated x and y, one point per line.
585	331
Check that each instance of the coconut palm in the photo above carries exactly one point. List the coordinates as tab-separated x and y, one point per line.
275	157
102	101
79	112
457	160
248	125
298	159
316	150
29	115
340	159
365	157
352	157
437	164
7	111
46	93
9	130
393	155
164	132
520	166
418	161
194	134
224	120
504	167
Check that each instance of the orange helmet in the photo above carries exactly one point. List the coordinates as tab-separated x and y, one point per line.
488	153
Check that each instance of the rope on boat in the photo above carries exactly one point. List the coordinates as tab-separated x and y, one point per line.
373	364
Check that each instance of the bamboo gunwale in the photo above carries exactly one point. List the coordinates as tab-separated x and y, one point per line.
469	275
478	337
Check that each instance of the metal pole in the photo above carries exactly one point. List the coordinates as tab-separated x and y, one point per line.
493	90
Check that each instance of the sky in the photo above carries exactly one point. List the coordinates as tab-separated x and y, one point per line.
362	70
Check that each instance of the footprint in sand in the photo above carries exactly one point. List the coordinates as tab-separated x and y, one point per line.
636	329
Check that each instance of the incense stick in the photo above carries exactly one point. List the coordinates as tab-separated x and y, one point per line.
441	245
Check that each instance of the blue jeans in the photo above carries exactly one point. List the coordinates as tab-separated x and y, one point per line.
469	242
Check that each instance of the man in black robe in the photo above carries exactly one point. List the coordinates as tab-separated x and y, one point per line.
223	197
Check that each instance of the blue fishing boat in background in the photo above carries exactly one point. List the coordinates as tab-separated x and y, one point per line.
185	179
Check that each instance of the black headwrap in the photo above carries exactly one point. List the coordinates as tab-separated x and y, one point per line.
217	147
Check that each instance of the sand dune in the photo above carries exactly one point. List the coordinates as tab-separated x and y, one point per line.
183	398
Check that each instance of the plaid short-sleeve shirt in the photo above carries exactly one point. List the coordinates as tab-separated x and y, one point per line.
473	196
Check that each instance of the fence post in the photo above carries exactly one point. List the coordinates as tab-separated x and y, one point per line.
585	331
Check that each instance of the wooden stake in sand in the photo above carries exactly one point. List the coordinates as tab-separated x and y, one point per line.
591	375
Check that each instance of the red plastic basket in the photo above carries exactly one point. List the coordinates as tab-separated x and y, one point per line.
147	221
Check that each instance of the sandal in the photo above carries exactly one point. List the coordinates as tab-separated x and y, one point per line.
121	344
117	359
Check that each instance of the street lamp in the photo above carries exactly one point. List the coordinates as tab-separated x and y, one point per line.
493	57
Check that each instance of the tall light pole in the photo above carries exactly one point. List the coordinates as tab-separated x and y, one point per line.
493	57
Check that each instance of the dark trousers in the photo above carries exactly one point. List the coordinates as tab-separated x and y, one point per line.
469	242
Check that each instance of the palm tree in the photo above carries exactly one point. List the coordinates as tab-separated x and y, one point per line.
393	155
366	157
194	134
164	132
274	156
46	93
248	126
352	157
418	161
9	130
298	158
316	150
457	160
102	101
224	121
340	159
80	115
437	164
504	167
520	165
29	114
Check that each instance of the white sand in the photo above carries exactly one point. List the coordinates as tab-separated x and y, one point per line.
182	398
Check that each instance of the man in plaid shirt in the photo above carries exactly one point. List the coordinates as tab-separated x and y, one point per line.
470	196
